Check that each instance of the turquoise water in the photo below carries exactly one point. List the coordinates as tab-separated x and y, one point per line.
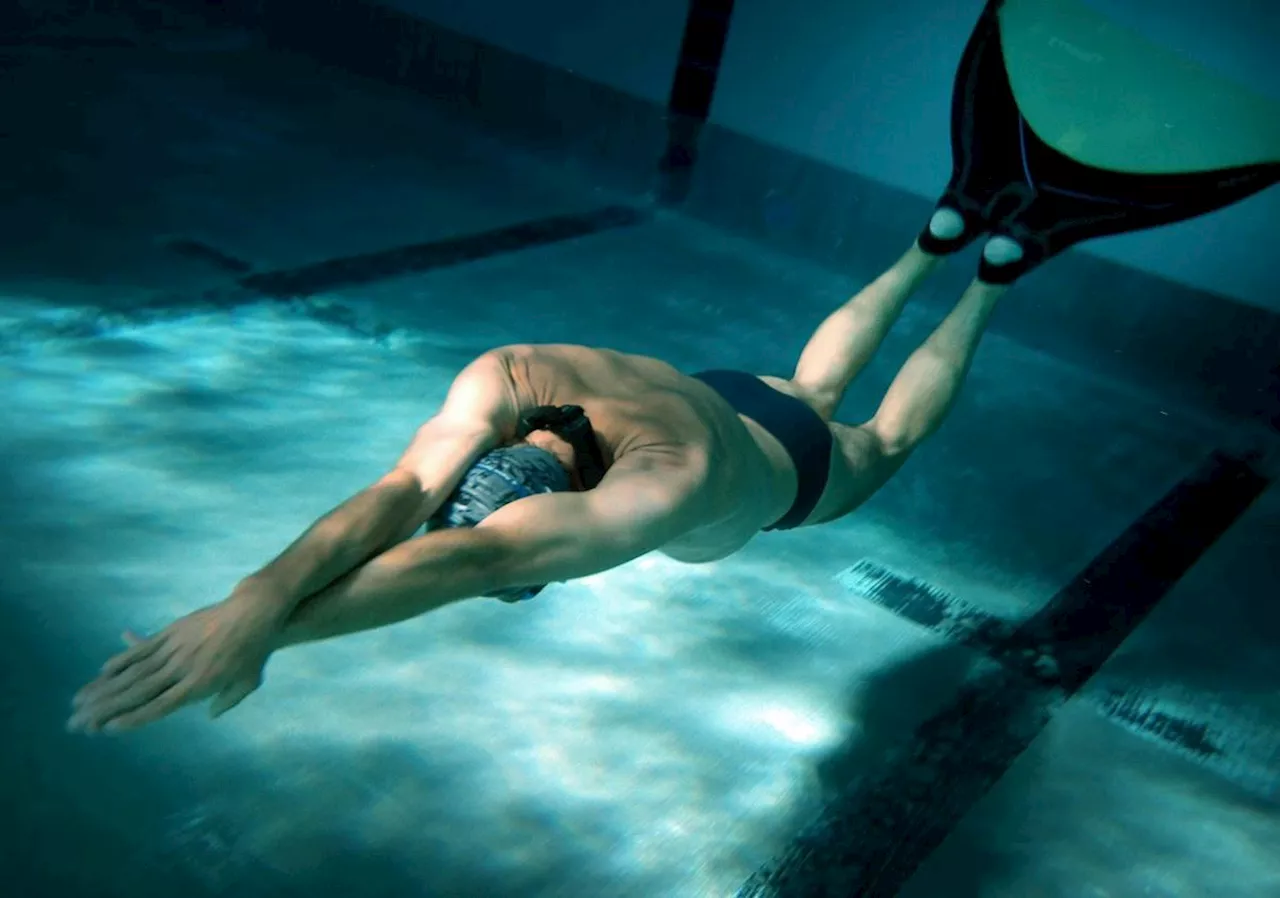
659	730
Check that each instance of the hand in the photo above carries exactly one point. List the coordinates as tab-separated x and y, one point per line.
219	651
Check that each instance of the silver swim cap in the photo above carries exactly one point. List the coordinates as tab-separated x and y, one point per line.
498	478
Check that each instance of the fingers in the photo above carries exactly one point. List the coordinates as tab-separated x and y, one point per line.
104	699
160	705
109	684
139	650
143	694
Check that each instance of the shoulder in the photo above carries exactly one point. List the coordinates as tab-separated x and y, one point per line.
484	394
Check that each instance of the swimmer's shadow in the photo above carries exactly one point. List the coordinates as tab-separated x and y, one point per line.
891	709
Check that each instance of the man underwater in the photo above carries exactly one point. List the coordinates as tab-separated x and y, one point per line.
548	463
552	462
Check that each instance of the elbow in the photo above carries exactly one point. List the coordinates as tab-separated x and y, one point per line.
402	498
510	563
401	481
517	559
489	560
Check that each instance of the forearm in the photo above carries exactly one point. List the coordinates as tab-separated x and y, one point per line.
337	543
406	581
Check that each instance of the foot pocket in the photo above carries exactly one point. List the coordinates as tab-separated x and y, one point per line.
946	224
1002	251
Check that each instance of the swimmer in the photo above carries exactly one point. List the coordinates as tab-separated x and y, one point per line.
547	463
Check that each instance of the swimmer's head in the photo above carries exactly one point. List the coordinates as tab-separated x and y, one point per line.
498	478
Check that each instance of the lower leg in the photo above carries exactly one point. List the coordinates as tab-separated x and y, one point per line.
926	388
846	341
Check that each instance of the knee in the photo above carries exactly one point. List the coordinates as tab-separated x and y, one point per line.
891	442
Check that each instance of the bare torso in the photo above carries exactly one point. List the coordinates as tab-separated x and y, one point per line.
637	403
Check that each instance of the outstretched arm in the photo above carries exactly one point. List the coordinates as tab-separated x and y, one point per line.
478	414
641	504
220	651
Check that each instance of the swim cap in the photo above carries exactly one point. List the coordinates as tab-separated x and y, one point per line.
498	478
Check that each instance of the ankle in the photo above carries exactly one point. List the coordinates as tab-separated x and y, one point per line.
915	265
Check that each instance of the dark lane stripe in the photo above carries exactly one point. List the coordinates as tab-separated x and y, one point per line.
419	257
871	839
692	90
961	623
924	604
1142	715
203	252
1086	622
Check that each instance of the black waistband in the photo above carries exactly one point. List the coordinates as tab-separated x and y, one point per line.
795	425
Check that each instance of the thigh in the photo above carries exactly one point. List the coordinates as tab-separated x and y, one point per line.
859	467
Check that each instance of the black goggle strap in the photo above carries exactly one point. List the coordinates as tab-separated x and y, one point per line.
571	424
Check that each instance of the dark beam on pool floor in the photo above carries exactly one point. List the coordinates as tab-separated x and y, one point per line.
368	268
870	840
961	623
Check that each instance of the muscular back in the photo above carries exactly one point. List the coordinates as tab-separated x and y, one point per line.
641	404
